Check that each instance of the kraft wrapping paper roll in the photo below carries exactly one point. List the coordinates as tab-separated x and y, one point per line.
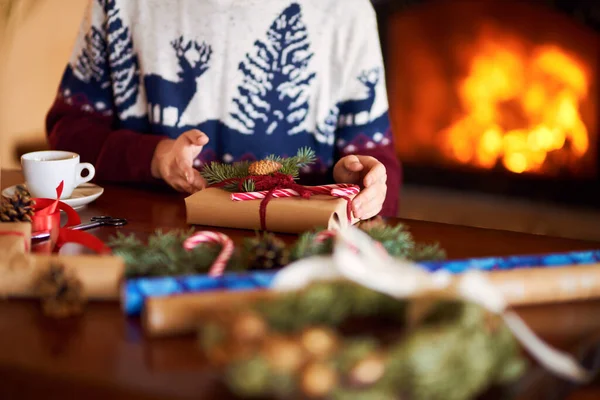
214	207
101	276
15	238
181	313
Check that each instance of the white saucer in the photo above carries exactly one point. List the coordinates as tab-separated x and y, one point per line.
82	195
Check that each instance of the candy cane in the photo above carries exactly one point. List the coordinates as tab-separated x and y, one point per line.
337	190
222	259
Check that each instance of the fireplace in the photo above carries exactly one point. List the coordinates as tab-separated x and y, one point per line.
496	96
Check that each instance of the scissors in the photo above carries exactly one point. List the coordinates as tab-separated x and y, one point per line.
95	222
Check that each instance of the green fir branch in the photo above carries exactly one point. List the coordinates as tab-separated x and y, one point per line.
249	186
164	255
217	172
396	239
292	165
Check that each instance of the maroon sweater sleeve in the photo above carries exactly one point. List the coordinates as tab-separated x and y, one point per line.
119	156
387	156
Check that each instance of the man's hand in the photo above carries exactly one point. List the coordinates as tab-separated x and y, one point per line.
173	161
368	173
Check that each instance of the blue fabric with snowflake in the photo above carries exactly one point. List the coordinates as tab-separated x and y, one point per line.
137	290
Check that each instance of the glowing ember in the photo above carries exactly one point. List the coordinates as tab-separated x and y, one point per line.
520	108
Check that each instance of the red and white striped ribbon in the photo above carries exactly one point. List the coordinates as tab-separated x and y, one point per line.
324	235
336	190
220	263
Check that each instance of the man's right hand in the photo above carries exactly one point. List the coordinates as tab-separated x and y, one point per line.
173	161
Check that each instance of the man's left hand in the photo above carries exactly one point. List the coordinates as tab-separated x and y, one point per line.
368	173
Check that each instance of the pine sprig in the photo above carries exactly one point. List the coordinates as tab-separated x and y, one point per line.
164	255
397	240
217	172
292	165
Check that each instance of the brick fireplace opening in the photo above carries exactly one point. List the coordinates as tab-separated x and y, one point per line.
496	101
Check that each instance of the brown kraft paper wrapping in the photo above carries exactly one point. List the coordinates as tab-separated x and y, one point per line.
100	276
15	238
214	207
181	314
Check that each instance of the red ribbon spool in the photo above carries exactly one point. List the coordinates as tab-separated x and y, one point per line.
46	219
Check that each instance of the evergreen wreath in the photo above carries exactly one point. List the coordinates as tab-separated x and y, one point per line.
321	342
242	175
164	254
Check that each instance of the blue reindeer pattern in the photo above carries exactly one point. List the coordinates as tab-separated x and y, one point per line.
163	93
351	109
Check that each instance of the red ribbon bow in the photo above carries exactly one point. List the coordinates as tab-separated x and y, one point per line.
46	219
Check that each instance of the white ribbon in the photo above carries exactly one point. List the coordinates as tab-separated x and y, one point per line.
356	257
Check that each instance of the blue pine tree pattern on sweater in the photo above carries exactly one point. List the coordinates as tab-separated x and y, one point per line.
162	93
266	111
105	77
122	59
272	97
88	80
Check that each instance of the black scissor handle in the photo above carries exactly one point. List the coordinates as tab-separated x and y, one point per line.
109	221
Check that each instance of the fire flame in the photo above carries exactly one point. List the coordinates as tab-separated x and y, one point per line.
519	107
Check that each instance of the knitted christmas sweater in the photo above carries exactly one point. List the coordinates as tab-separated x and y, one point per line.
258	77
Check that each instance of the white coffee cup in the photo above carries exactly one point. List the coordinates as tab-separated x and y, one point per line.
44	170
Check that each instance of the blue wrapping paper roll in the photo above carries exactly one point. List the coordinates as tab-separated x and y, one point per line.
135	291
513	262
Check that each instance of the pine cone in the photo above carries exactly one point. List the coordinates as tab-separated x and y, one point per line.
264	167
61	292
266	252
18	207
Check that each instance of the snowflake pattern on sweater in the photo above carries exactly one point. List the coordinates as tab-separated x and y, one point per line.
257	76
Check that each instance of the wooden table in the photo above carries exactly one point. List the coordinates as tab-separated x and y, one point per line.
106	356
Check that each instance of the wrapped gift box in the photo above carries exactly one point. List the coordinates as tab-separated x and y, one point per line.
214	207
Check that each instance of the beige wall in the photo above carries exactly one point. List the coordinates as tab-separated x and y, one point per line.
34	51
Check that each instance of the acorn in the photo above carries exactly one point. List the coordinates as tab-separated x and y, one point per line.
368	371
283	354
264	167
318	380
319	342
249	327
